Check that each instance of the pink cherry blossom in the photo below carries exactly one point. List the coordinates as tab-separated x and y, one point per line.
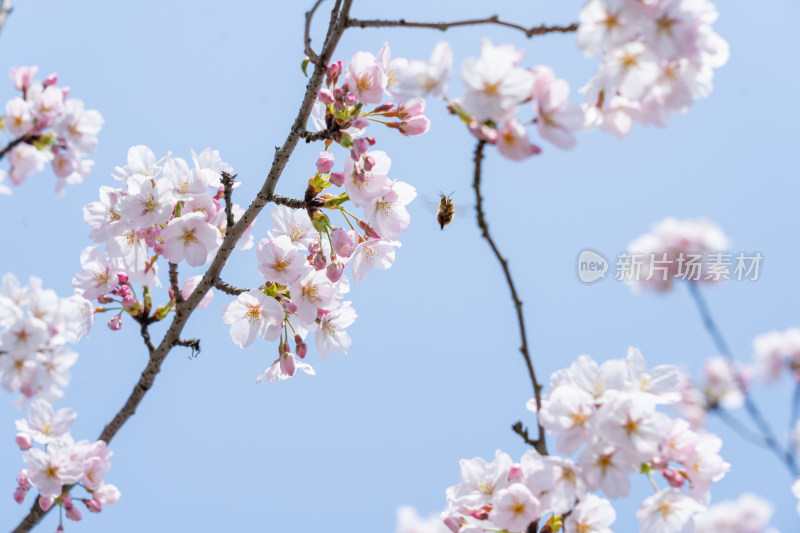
280	261
365	78
190	237
253	314
331	334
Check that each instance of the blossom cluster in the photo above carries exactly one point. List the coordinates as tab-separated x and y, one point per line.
657	58
165	208
608	413
681	249
304	258
496	85
62	463
35	328
47	127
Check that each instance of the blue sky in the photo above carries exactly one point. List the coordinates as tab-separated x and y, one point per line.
434	374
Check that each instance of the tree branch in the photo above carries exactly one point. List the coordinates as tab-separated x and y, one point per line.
310	53
227	183
288	202
337	26
444	26
227	288
767	434
540	444
174	282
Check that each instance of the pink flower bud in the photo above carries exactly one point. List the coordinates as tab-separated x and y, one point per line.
124	290
129	301
104	299
325	96
350	99
93	505
360	146
338	93
319	261
22	479
480	514
66	501
22	76
46	502
73	513
19	494
361	123
289	306
337	178
287	364
122	277
301	349
675	479
415	126
413	108
482	132
343	245
24	441
514	473
334	271
334	69
371	140
52	79
115	324
313	248
325	162
369	163
368	231
159	248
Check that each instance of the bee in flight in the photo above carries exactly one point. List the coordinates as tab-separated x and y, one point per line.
446	210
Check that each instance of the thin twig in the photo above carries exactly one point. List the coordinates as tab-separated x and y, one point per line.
310	53
146	336
227	288
444	26
5	10
194	344
281	157
522	431
311	136
227	190
752	409
540	443
736	425
174	282
294	203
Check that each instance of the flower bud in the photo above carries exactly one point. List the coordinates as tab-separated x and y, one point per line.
334	69
129	301
325	162
122	277
24	441
325	96
343	245
360	123
415	126
22	479
104	299
334	271
52	79
124	290
115	324
368	231
73	513
287	364
19	494
337	178
350	99
301	349
289	306
159	248
46	502
338	93
93	505
319	261
674	478
369	163
413	108
360	146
